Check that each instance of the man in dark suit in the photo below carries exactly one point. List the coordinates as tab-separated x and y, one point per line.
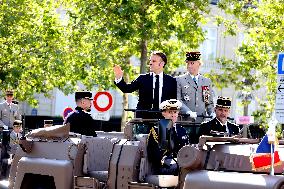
153	88
220	123
81	120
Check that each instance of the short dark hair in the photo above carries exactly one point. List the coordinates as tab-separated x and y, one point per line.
162	55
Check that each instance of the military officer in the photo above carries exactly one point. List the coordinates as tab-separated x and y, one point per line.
220	123
15	136
194	90
81	120
9	111
170	110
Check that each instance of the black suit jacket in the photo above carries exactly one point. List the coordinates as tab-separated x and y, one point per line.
215	125
144	84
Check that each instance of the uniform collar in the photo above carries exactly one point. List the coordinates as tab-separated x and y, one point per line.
225	124
79	108
9	104
192	76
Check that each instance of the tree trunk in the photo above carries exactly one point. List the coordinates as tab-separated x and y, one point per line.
246	110
124	113
143	57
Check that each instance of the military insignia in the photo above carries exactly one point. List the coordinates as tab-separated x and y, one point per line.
205	94
186	98
153	134
186	86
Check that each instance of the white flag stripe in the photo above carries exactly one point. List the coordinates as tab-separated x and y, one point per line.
271	133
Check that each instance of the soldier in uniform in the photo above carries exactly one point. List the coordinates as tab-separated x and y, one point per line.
220	123
15	136
194	90
9	111
81	120
170	110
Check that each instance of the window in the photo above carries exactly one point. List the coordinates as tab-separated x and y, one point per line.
209	46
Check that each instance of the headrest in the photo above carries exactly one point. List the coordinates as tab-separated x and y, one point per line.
56	132
192	56
171	104
223	102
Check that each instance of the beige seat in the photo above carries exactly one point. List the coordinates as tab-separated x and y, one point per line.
163	181
96	161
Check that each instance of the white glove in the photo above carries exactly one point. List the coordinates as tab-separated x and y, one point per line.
192	114
213	115
5	127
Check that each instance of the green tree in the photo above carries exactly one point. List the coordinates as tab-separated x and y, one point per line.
34	51
263	26
115	30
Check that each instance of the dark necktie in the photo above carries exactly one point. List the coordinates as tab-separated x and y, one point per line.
195	80
156	94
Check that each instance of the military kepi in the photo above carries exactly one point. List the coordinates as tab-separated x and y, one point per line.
83	94
9	92
223	102
17	123
192	56
171	104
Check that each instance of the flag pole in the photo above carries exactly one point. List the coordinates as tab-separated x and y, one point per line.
272	159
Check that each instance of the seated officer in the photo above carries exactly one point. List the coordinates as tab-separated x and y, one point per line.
81	120
170	110
220	123
178	136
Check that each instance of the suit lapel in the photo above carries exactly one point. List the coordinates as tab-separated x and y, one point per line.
150	83
150	80
164	88
6	106
218	125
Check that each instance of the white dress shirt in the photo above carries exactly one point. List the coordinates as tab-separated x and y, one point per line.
160	84
196	77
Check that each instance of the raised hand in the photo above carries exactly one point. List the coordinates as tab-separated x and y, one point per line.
118	72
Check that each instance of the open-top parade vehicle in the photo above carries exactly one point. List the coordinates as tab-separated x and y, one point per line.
53	158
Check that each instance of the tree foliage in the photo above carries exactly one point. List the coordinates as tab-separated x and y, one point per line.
40	50
117	29
263	26
33	48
